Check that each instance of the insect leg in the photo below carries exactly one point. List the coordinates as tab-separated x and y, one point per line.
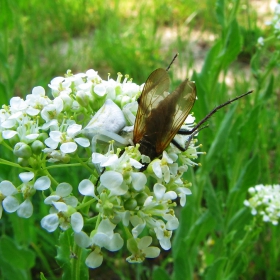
191	135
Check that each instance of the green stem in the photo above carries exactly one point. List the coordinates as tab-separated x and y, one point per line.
251	232
7	146
63	165
86	204
84	165
9	163
43	260
76	263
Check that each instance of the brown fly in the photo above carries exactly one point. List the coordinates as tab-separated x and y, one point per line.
160	115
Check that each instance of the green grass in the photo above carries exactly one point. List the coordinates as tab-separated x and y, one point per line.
217	238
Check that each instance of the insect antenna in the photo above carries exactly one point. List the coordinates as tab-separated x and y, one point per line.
175	56
190	132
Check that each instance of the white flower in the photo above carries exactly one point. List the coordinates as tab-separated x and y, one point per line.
62	216
62	193
25	209
182	193
163	235
68	140
113	181
105	236
160	194
36	101
9	202
140	249
265	201
261	41
52	110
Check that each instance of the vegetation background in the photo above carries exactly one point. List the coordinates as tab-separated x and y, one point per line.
217	40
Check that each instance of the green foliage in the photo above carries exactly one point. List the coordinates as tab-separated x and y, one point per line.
218	238
15	267
71	261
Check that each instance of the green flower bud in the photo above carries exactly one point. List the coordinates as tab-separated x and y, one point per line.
33	163
65	158
14	140
132	245
37	147
22	150
130	204
125	100
82	98
67	101
140	198
23	162
42	137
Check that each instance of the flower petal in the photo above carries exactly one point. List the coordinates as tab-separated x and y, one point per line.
111	179
42	183
63	189
26	176
10	204
77	222
86	187
25	209
84	142
50	222
94	259
68	147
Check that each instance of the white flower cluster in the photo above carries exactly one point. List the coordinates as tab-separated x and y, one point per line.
275	24
265	201
91	116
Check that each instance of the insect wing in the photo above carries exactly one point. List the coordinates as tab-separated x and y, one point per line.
172	113
153	93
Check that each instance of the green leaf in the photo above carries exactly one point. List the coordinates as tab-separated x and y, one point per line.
42	276
268	92
215	270
232	45
160	274
222	134
8	271
15	262
213	204
71	265
220	12
3	94
19	61
8	250
211	67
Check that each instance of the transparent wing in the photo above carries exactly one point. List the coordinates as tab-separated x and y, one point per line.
166	119
154	92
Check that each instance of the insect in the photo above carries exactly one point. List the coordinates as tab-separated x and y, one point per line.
160	115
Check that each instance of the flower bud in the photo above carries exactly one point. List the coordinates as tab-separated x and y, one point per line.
130	204
22	150
33	163
23	162
42	137
37	147
140	198
67	101
15	139
82	98
65	158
